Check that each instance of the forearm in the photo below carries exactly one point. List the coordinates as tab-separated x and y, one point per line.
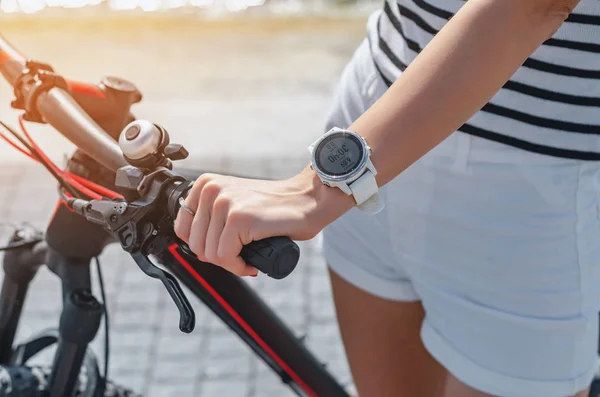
454	76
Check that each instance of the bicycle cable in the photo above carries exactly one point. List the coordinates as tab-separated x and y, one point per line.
106	326
44	158
35	156
72	185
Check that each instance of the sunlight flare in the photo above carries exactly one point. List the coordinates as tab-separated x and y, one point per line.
32	6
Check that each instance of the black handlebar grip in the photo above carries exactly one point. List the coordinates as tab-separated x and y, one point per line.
277	257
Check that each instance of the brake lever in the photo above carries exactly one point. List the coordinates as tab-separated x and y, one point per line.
123	221
187	317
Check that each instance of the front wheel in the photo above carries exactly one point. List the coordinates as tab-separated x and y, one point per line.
25	381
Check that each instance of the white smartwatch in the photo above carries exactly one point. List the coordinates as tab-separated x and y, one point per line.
342	159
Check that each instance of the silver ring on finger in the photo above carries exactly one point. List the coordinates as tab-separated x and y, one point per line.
184	206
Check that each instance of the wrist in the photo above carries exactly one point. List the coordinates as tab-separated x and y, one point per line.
326	203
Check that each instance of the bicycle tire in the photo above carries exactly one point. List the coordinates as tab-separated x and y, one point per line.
32	381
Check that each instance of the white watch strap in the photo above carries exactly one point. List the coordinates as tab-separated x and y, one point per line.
366	193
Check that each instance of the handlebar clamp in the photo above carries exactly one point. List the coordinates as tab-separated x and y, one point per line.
36	79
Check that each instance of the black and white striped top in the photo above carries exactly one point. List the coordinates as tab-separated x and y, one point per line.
551	105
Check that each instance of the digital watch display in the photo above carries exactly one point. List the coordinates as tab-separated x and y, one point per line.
342	159
339	154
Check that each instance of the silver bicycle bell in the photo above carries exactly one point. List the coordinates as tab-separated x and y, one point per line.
142	139
146	145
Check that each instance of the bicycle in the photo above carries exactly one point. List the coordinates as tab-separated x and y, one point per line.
119	187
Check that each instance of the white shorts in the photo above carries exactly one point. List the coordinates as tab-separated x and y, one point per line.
501	246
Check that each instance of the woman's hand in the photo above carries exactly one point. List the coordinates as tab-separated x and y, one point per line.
232	212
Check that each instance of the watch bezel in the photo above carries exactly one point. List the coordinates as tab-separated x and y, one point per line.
349	176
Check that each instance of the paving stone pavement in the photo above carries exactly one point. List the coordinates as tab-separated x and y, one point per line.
148	352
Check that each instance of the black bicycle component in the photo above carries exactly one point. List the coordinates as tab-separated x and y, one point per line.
69	256
26	350
79	323
137	226
20	266
74	236
187	318
80	318
12	299
276	256
18	380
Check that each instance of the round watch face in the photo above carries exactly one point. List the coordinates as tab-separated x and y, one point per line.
339	154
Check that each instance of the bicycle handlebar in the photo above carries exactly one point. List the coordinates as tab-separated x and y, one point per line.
12	62
58	109
62	112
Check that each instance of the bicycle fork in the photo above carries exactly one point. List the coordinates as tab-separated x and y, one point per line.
80	318
20	266
79	322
